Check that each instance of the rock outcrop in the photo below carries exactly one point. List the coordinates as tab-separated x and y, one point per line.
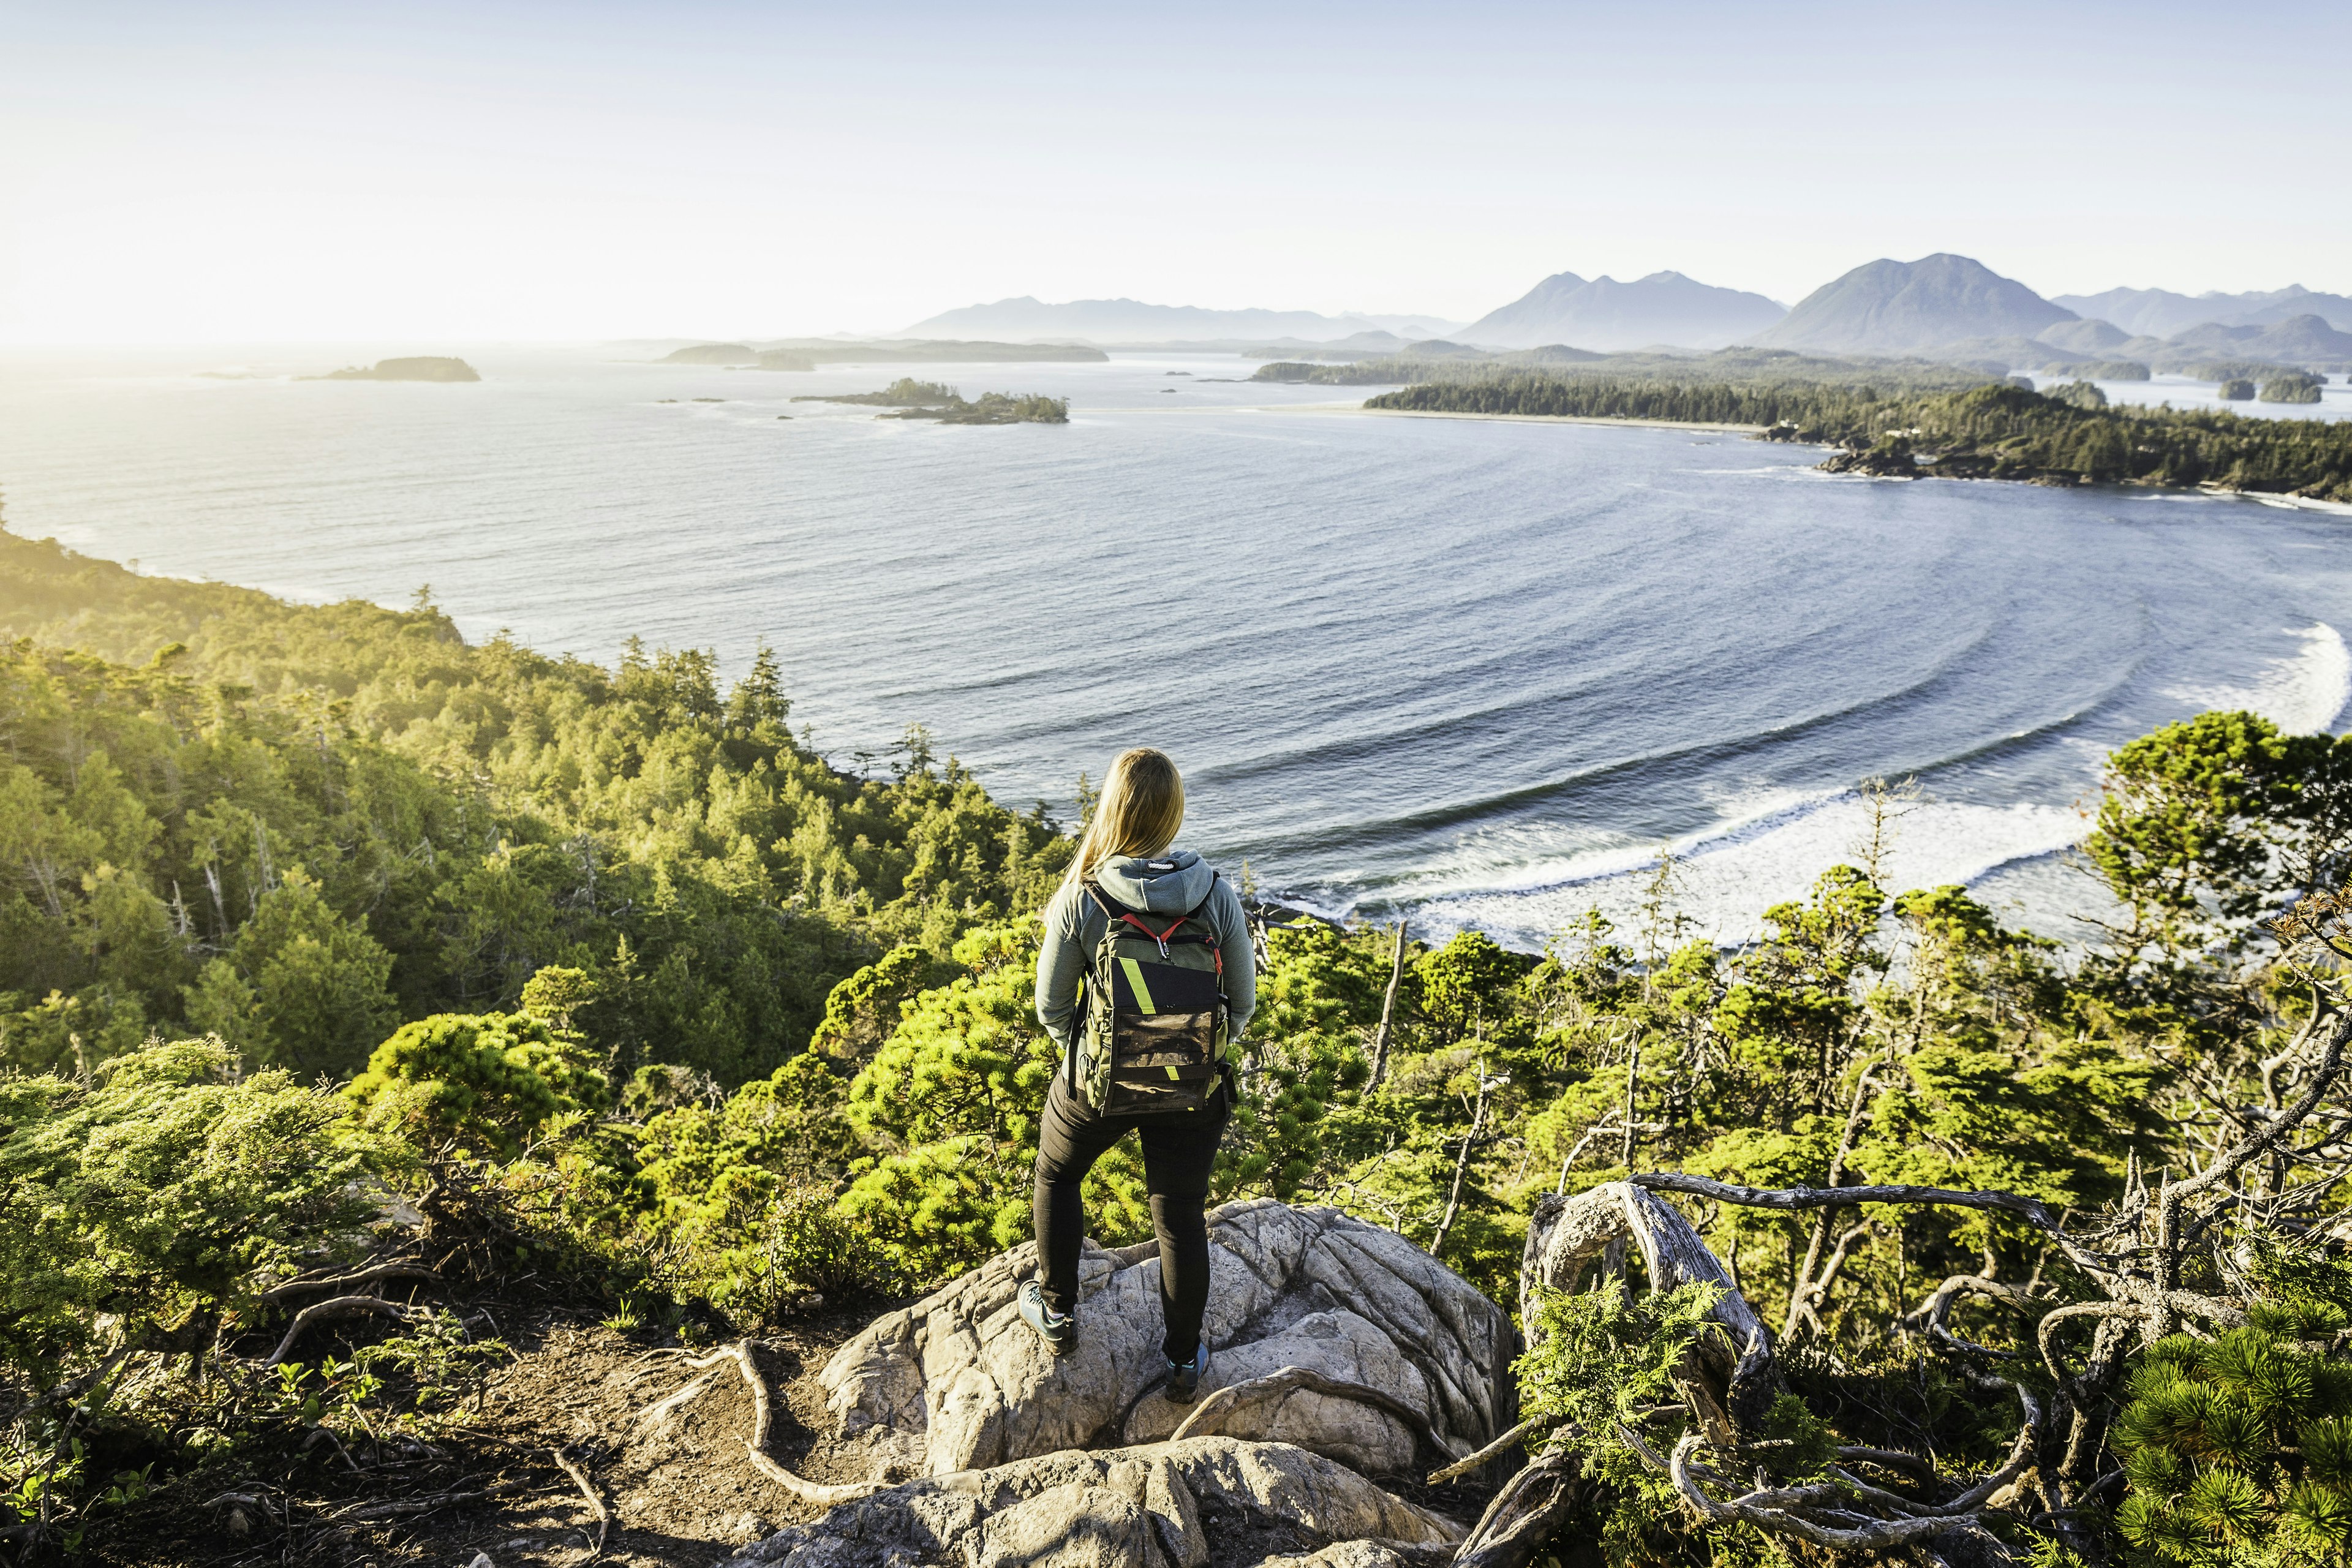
957	1383
1161	1505
1339	1351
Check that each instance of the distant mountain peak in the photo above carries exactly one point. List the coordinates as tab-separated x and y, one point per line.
1889	307
1602	313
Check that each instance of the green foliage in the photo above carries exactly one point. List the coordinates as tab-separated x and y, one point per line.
2238	1447
299	987
1304	1065
2078	394
488	1082
950	1107
297	827
162	1185
860	1012
2205	825
1602	1364
2292	387
934	400
1603	1356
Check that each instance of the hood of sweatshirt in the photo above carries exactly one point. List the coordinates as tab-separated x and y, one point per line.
1167	885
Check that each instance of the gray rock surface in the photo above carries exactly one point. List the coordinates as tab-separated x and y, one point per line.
958	1381
1338	1344
1140	1506
1363	1554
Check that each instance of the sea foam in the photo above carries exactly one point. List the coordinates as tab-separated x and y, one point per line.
2303	694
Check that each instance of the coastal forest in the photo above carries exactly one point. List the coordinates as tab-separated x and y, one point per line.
1994	430
311	914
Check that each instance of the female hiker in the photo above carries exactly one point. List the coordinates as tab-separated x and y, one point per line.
1144	980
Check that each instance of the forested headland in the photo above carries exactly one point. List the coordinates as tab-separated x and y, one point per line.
1744	367
645	1003
1993	430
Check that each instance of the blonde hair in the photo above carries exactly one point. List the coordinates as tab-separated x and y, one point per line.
1139	812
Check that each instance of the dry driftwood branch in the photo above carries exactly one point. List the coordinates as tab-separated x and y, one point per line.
580	1479
2021	1452
2244	1152
1810	1512
1918	1464
381	1272
1462	1165
663	1409
2046	1333
1730	1379
1208	1417
401	1508
1808	1290
70	1391
1865	1535
2030	1210
756	1444
1491	1451
1930	1315
1521	1519
336	1307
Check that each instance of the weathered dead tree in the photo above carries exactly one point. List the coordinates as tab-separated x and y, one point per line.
1388	1006
2139	1256
1731	1379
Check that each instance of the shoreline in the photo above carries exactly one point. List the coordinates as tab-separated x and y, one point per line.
1545	419
2269	498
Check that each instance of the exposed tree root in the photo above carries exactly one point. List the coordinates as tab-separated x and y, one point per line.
756	1444
377	1275
580	1479
336	1307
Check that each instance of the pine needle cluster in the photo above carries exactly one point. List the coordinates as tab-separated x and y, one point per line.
2239	1449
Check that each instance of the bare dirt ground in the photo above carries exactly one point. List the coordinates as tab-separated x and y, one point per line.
660	1441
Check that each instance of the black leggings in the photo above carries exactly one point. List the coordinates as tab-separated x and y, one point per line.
1179	1148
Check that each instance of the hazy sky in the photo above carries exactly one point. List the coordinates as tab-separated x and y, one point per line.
424	174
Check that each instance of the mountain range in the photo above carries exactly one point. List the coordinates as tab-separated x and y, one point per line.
1026	319
1664	308
2160	312
1941	305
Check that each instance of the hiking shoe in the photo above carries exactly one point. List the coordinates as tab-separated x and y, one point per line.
1184	1377
1058	1330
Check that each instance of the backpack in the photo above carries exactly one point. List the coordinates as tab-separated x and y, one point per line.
1151	1033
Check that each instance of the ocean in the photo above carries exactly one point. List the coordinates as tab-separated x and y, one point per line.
1476	672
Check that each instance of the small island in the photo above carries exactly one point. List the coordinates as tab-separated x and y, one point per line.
714	353
2295	386
2100	369
912	399
425	367
2236	389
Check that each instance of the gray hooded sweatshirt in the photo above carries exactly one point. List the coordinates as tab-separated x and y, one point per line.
1169	885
